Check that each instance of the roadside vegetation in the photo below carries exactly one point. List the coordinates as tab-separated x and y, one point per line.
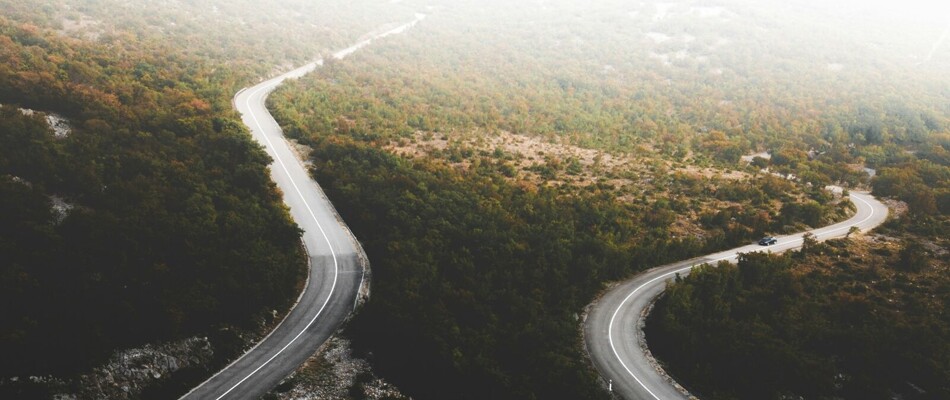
152	219
500	164
481	281
864	317
858	318
146	215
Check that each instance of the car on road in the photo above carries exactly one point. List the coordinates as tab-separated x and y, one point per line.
767	241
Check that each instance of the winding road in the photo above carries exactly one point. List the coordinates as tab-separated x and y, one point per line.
613	328
336	269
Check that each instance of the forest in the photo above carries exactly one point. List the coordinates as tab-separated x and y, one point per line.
852	318
864	317
501	164
500	171
479	283
167	224
148	215
135	207
439	146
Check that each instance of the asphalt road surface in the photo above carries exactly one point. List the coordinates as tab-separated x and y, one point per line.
336	272
613	332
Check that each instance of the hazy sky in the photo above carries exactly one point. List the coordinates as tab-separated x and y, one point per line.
905	8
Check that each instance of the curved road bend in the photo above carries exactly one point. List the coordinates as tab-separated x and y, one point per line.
336	273
612	329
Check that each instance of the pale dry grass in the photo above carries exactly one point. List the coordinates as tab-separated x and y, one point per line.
643	176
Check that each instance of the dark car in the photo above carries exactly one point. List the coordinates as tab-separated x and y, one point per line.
767	241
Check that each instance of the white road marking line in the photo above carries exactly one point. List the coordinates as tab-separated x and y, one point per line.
268	85
610	327
336	266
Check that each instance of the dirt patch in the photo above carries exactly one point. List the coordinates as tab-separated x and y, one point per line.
301	151
83	27
898	208
548	161
643	176
335	373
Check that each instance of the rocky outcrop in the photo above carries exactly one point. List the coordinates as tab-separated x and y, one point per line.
128	372
335	373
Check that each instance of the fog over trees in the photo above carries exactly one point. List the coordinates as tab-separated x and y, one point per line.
501	161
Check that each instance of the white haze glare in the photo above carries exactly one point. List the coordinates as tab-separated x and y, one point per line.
923	5
930	19
897	11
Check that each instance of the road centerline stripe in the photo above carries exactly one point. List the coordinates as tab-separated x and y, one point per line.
797	237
